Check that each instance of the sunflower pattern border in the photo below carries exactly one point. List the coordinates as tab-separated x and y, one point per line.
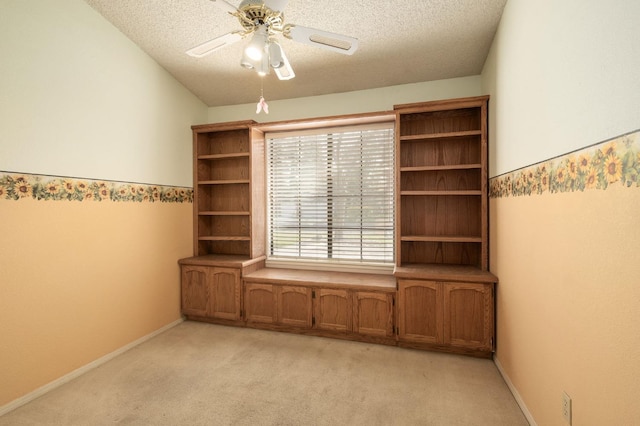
14	186
615	161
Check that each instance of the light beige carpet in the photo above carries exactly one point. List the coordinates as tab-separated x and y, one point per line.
203	374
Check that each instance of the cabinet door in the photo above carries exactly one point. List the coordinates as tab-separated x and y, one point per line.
373	313
195	290
224	293
420	311
259	303
332	310
294	306
468	315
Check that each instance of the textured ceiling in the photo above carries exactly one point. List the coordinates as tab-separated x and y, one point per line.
400	42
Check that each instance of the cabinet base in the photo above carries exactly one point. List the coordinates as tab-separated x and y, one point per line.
390	341
379	340
446	349
233	323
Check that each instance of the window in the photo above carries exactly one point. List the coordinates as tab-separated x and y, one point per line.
330	197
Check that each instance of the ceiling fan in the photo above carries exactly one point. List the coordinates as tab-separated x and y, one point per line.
264	19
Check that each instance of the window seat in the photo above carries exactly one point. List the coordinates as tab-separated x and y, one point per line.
324	279
345	305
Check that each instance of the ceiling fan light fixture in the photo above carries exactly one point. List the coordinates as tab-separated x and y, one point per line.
264	19
256	47
275	55
247	62
263	68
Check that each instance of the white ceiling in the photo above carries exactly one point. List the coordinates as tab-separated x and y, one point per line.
400	42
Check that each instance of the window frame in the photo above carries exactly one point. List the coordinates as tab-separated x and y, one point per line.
318	126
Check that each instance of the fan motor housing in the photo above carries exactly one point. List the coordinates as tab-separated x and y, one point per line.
256	13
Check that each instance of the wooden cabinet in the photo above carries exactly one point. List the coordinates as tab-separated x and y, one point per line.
441	183
211	292
373	313
259	303
228	219
332	309
294	306
454	316
212	286
195	290
278	304
224	293
445	291
420	309
358	306
468	315
367	313
229	189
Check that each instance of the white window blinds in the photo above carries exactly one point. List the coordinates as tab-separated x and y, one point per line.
330	194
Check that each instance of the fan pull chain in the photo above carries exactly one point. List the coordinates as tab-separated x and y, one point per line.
262	104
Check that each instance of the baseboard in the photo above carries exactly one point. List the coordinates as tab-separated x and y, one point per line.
80	371
515	393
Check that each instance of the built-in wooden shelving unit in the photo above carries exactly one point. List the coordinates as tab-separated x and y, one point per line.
441	150
228	180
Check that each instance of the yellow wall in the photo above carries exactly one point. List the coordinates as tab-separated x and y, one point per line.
563	77
81	279
567	255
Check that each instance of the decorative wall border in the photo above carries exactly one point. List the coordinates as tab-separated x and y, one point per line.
615	161
16	187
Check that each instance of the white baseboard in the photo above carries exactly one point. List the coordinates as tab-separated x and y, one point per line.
80	371
515	393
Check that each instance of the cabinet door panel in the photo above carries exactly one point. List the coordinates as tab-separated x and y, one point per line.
294	306
224	296
259	303
332	310
373	313
468	310
195	290
420	311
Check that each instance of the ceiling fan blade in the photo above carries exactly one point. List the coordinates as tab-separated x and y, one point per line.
276	5
324	39
212	45
227	7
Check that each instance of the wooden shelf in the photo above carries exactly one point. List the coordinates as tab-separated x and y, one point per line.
442	238
230	261
440	193
223	213
223	156
441	135
440	168
461	273
224	182
216	238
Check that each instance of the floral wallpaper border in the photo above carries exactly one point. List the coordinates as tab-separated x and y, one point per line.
15	186
613	162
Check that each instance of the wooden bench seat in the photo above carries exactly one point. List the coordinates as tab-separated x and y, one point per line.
324	279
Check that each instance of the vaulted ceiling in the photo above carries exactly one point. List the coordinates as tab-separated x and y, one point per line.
400	42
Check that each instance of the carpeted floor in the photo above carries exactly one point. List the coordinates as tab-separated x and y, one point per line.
203	374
